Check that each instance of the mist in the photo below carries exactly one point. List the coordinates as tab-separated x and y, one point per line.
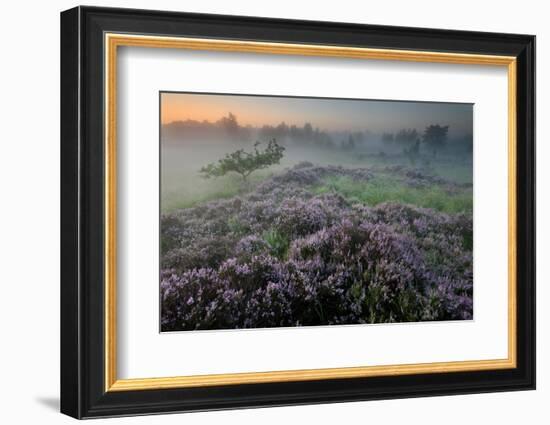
187	145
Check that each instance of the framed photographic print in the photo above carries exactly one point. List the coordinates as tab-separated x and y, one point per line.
261	212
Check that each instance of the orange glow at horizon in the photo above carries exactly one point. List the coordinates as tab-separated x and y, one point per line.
178	107
323	113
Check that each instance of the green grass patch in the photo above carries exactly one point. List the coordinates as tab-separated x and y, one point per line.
278	243
454	173
197	191
387	189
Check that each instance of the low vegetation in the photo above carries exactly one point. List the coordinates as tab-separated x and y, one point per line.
384	188
320	245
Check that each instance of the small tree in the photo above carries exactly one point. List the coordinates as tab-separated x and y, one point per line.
245	163
413	151
348	144
387	137
230	124
435	137
406	136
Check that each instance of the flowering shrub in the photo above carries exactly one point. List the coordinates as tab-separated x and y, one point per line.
282	256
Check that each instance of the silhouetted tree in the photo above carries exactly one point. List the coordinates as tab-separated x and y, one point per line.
435	137
308	130
413	151
349	144
387	137
230	124
406	136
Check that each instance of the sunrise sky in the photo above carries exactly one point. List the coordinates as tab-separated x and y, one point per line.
326	114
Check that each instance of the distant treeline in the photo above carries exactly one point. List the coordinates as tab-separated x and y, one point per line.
229	127
408	140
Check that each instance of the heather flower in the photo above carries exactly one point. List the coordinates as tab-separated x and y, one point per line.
283	256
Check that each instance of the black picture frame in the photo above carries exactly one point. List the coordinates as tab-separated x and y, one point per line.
83	392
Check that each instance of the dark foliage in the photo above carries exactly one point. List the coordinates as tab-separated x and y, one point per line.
245	163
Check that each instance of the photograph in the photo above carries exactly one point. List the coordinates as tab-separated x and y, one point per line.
283	211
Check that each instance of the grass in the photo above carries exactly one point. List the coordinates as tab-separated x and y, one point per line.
386	189
278	243
458	173
183	187
204	190
382	188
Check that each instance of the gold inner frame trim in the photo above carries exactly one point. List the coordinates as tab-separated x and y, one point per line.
113	41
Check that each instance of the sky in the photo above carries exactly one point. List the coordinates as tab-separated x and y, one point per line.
327	114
